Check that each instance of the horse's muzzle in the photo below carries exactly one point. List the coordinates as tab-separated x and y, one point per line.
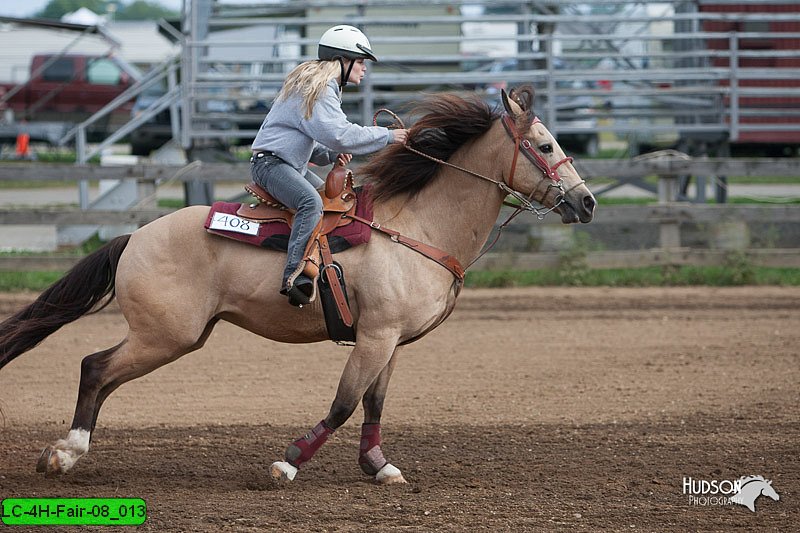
577	208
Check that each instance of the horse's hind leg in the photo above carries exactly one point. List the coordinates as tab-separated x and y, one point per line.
101	374
370	456
61	456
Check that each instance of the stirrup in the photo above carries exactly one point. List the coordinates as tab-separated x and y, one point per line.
300	292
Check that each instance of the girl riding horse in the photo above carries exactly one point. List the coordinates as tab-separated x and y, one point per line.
306	123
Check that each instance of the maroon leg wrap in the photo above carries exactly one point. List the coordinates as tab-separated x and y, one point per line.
370	457
304	448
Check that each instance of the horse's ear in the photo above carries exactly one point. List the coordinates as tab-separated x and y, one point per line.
523	96
519	104
511	106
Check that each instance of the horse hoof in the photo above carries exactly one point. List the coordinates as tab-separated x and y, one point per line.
48	463
389	474
282	471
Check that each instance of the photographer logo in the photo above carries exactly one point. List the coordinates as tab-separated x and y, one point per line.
743	491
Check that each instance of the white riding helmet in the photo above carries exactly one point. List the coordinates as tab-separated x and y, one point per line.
344	41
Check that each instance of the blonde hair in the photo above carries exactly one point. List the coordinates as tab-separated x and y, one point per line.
309	80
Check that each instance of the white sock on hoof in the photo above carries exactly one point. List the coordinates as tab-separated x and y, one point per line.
389	474
72	448
283	471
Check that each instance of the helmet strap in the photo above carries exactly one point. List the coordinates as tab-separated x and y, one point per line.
345	75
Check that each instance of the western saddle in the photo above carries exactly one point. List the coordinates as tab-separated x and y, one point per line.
338	206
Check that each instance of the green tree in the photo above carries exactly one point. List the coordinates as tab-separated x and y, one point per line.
56	9
136	10
143	10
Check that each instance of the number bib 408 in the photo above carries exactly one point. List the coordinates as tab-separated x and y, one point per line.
223	221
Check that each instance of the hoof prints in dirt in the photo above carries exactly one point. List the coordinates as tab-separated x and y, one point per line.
522	477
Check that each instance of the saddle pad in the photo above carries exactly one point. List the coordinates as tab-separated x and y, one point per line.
275	235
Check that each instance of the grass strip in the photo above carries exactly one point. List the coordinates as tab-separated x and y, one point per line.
725	276
717	276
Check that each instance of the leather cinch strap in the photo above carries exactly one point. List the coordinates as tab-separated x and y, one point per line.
431	252
333	281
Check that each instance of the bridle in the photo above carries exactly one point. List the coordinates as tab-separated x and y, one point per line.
523	145
520	145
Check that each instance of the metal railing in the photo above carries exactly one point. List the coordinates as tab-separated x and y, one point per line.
84	152
630	72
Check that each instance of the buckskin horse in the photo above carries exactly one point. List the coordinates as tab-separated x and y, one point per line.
174	281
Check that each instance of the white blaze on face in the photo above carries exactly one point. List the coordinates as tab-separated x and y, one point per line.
73	448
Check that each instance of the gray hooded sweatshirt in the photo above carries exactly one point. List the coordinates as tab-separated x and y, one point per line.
319	139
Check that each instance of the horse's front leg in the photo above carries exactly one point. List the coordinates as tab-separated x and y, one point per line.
368	359
370	456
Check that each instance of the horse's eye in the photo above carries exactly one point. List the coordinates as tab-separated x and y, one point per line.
546	148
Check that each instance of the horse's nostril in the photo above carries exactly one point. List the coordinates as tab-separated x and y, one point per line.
589	203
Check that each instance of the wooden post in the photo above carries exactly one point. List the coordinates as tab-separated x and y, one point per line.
669	230
146	192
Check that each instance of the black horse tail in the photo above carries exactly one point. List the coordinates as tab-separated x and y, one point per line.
79	292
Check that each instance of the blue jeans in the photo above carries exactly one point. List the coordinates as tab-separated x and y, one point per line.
297	192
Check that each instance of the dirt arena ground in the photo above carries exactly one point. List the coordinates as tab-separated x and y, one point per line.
528	410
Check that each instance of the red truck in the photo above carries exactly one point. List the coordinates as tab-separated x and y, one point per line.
62	91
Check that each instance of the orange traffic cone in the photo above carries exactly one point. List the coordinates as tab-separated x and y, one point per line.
23	142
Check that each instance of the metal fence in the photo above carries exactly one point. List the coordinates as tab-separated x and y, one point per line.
651	72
